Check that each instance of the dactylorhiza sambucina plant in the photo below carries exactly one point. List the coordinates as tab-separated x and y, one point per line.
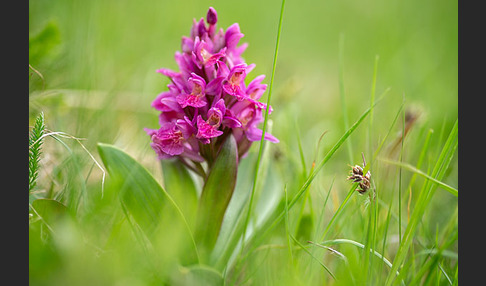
210	115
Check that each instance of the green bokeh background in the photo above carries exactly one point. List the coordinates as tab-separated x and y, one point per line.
108	51
98	61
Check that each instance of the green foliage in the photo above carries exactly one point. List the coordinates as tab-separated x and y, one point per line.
42	45
139	192
426	194
49	211
181	186
35	149
199	275
307	225
216	195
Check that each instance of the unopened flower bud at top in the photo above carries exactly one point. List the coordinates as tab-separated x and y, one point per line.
212	16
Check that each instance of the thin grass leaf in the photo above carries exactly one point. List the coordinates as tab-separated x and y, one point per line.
431	264
444	253
40	76
301	151
372	98
269	193
319	166
339	210
342	93
328	156
426	194
200	274
370	238
56	134
269	200
421	158
400	180
382	143
355	243
433	254
49	210
385	232
287	227
445	274
265	121
321	219
411	168
456	281
313	257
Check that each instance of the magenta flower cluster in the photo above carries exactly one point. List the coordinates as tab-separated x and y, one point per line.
208	99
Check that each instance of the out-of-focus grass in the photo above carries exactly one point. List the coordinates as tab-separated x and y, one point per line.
98	60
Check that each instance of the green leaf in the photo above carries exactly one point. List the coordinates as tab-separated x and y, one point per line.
216	194
43	44
233	222
201	275
179	183
268	198
304	229
139	192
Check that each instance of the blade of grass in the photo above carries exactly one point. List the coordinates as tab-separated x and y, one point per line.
421	156
370	136
339	210
301	151
431	263
456	281
55	134
445	274
315	258
378	149
400	180
268	195
385	233
411	168
287	227
319	166
265	121
321	217
425	196
372	101
369	242
314	173
342	93
329	154
357	244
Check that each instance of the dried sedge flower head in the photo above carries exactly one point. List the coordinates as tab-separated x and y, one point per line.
208	99
356	175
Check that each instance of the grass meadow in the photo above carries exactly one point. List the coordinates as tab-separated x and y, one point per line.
353	79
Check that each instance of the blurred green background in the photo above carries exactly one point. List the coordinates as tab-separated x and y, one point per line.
93	75
102	57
